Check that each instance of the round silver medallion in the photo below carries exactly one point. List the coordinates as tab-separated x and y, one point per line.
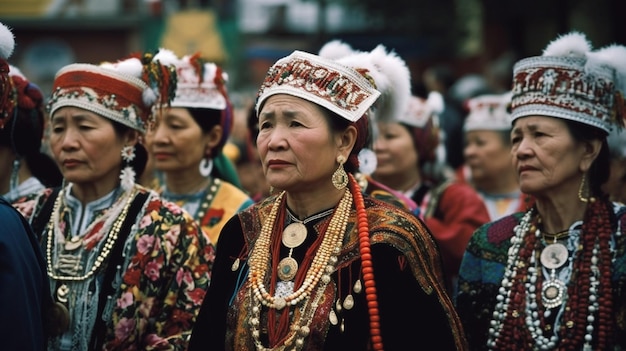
554	256
552	293
294	235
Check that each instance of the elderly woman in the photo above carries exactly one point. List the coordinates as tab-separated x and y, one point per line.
411	160
487	152
319	265
127	270
186	145
553	277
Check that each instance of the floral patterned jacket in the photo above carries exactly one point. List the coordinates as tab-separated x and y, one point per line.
161	278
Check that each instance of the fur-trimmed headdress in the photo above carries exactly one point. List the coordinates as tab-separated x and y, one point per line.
125	91
389	73
571	81
7	44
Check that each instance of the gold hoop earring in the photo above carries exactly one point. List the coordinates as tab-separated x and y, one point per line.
340	178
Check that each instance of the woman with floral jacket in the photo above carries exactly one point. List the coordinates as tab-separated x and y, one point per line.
127	270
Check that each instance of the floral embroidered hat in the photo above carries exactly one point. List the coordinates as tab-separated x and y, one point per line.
200	84
489	112
125	91
571	81
343	90
7	44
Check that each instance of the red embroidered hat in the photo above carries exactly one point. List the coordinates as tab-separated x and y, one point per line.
125	91
571	81
489	112
200	84
346	91
7	43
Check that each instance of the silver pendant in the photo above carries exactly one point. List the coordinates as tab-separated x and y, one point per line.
294	235
554	256
552	293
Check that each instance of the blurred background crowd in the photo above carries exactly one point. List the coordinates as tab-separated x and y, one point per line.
460	48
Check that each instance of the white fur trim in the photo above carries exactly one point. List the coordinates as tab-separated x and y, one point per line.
7	42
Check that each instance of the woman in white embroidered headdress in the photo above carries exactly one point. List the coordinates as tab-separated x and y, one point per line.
187	140
553	277
320	265
488	164
411	159
127	269
392	77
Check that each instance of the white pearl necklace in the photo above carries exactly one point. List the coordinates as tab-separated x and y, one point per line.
532	319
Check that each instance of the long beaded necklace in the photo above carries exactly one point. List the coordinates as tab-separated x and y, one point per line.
579	313
63	291
317	276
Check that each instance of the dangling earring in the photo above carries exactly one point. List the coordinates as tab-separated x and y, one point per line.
206	166
583	188
15	171
340	178
128	173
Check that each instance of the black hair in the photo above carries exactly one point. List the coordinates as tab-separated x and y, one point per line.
599	170
207	118
23	134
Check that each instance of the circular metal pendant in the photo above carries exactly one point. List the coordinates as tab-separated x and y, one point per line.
287	268
554	256
294	235
553	293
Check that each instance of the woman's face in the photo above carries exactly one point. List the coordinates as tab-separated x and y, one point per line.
176	142
486	154
395	150
86	146
297	148
547	158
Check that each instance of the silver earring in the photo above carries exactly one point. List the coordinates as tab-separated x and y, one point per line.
128	175
340	177
206	166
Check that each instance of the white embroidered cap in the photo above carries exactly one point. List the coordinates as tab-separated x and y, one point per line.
346	91
489	112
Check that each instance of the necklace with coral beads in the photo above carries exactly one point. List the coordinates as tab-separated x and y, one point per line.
517	303
317	276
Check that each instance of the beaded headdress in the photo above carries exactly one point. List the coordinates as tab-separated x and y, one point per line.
422	116
200	84
489	112
125	91
389	72
392	79
7	43
341	89
571	81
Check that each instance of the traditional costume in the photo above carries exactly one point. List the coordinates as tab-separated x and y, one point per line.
362	274
522	289
128	271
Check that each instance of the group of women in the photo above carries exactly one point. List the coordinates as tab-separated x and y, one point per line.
321	263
